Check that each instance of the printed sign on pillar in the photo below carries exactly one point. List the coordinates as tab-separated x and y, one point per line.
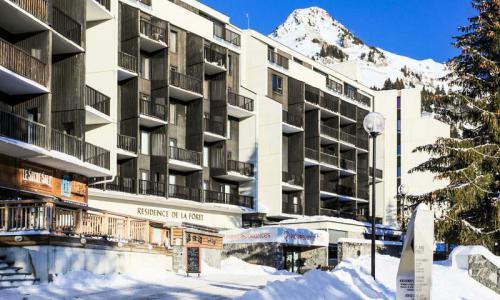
414	278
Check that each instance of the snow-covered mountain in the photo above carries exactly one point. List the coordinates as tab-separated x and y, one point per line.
316	34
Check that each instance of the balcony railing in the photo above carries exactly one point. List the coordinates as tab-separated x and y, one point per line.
347	137
146	2
378	173
363	99
329	131
363	193
66	26
227	35
292	178
127	61
329	159
184	192
128	143
362	142
277	59
311	153
328	186
152	109
288	207
332	104
240	101
66	143
292	119
348	111
97	100
152	31
347	164
214	126
225	198
240	167
22	63
22	129
147	187
119	184
185	155
311	96
37	8
345	190
215	57
105	3
338	213
96	156
186	82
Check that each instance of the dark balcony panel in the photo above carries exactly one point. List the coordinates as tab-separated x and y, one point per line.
240	167
225	198
153	31
66	143
292	119
347	164
105	3
312	94
240	200
186	82
362	142
147	187
328	186
119	184
127	61
363	193
378	173
347	137
213	56
292	178
184	192
345	190
66	26
128	143
363	99
240	101
22	63
97	100
146	2
22	129
288	207
329	102
348	110
312	154
185	155
329	131
214	126
96	156
278	59
38	8
329	159
152	109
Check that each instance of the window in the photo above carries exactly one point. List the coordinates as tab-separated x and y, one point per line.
145	140
277	84
205	156
172	114
173	41
230	64
145	71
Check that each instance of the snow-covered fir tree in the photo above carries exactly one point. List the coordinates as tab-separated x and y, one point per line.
470	161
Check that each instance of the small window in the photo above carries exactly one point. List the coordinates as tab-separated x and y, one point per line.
145	71
205	156
145	140
173	41
172	114
277	84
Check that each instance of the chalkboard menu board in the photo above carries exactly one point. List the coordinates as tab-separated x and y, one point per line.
193	260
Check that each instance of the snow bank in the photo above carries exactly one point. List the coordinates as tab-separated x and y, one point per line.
351	280
459	257
236	266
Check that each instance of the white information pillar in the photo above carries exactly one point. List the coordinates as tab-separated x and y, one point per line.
414	279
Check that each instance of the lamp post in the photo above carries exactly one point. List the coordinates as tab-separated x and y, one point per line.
402	192
374	126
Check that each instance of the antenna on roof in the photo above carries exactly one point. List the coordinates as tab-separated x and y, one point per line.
248	20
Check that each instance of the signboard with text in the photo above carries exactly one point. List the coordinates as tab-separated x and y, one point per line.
284	235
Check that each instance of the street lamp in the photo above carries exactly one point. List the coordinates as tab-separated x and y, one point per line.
402	192
374	126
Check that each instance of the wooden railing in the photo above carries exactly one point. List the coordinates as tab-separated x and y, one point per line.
277	59
128	143
66	26
38	8
22	63
97	100
185	155
186	82
240	101
52	217
152	31
97	156
66	143
127	61
22	129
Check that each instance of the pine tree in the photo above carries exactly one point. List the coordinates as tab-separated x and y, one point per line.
471	162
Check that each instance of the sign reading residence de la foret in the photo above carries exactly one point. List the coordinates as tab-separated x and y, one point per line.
414	278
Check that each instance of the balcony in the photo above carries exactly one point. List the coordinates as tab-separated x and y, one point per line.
213	130
344	190
347	113
362	142
347	164
152	114
67	37
184	160
184	87
96	156
21	129
329	135
21	73
277	59
146	2
152	37
98	10
348	138
312	97
238	171
65	143
328	189
96	107
291	182
152	188
312	157
329	103
225	198
328	161
226	35
215	61
184	192
291	123
119	184
127	66
363	193
126	147
379	175
23	16
288	207
240	107
334	86
338	213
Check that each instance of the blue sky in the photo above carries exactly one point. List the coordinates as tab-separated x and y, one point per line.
417	28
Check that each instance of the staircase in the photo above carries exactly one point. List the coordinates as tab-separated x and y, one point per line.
12	277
